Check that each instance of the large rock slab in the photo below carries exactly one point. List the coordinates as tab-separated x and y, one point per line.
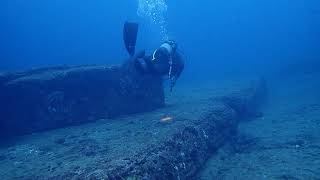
182	155
173	142
48	98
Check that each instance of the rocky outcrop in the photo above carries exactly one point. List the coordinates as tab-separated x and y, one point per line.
49	98
182	155
173	142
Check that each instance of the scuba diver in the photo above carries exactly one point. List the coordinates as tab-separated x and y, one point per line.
165	60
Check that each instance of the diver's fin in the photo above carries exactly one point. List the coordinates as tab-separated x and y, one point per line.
130	32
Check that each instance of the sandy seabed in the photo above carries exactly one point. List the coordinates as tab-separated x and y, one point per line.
283	144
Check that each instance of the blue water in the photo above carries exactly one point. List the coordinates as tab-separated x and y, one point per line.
214	35
218	38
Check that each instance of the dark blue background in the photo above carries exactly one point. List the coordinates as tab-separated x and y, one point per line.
215	35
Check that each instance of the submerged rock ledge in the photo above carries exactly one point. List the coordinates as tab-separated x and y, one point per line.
49	98
141	146
172	142
185	152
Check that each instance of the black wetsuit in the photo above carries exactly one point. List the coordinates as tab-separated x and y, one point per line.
161	63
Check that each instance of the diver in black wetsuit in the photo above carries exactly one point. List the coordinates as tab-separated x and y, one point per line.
165	60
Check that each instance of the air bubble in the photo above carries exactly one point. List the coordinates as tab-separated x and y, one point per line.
155	11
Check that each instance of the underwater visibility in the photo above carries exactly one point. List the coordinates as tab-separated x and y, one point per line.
160	89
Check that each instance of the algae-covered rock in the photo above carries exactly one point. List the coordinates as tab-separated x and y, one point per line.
48	98
140	146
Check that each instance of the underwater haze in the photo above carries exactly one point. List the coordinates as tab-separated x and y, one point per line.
214	35
75	105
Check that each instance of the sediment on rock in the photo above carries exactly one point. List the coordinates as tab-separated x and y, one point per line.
48	98
182	155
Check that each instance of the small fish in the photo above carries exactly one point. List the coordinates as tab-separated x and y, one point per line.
166	119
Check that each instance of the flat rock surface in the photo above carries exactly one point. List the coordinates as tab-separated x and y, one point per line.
56	97
95	146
